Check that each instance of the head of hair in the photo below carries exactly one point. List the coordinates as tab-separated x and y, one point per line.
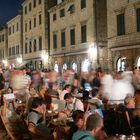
93	121
37	101
31	86
94	91
11	89
67	96
77	114
66	86
24	68
85	95
128	98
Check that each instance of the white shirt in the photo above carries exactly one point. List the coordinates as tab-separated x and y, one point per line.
76	105
62	94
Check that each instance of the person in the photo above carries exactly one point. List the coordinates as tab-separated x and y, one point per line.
95	102
126	118
26	79
29	98
2	80
42	91
9	90
67	89
36	120
78	117
73	103
94	126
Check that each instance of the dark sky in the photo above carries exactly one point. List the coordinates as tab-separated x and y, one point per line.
8	9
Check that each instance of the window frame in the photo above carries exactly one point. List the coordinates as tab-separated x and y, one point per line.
120	24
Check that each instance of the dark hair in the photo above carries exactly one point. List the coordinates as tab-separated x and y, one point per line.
93	121
66	86
94	92
37	101
67	96
77	114
11	89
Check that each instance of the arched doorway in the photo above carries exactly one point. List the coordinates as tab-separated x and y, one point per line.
121	64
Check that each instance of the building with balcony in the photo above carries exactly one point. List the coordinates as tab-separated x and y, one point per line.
123	18
35	33
78	35
14	35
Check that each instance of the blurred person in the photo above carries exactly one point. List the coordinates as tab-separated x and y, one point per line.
29	98
67	89
136	79
37	120
137	97
107	82
78	124
94	126
26	79
128	119
96	80
118	89
2	79
42	91
95	101
9	104
9	90
20	81
48	100
7	77
36	79
55	90
72	103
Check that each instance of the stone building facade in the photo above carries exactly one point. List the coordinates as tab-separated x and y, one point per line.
77	26
35	33
3	43
123	18
14	43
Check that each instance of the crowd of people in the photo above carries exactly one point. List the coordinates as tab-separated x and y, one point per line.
100	103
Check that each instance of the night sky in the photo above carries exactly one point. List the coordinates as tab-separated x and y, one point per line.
8	9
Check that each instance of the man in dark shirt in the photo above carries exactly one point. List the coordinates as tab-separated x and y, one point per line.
36	120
